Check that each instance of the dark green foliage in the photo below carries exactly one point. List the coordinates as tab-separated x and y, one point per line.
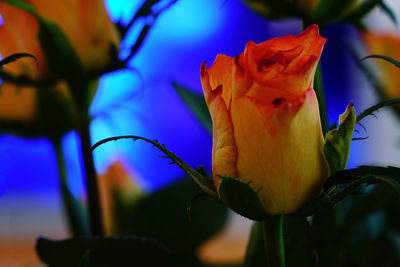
255	253
347	182
163	215
102	252
298	251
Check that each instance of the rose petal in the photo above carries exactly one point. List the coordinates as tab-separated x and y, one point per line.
286	181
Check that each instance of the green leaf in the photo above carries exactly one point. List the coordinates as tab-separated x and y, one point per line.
101	252
241	198
386	58
332	10
196	104
77	215
255	252
15	57
370	110
337	141
367	204
205	183
163	216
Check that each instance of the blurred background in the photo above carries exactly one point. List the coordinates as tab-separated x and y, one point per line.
142	101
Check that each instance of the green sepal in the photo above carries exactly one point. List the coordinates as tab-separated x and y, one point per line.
241	198
101	252
332	10
337	141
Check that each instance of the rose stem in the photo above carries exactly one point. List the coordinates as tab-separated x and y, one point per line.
81	95
273	240
95	216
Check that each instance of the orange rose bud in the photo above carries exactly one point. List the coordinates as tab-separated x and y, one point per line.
266	123
386	45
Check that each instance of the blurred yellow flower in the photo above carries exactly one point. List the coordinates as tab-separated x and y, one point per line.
118	190
85	23
389	75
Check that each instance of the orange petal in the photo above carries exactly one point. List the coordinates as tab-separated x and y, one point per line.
287	165
220	73
16	103
224	152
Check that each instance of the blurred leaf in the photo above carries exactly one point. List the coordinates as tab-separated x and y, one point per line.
363	9
15	57
162	215
323	234
57	48
101	252
241	198
337	141
388	11
367	204
77	215
367	70
255	252
386	58
370	110
203	181
371	252
196	104
332	10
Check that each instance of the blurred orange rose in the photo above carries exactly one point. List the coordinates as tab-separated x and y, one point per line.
117	190
85	23
386	45
266	123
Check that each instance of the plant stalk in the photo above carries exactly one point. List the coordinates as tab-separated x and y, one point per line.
273	240
95	215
